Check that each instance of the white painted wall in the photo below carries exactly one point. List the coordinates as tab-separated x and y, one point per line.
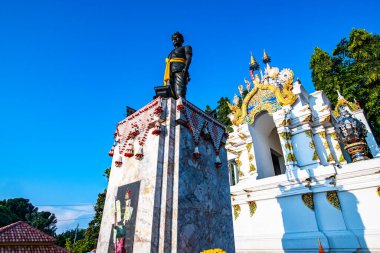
265	137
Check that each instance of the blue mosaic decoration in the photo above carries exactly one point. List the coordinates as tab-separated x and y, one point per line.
263	100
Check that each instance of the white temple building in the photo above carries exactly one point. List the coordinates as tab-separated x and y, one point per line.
293	185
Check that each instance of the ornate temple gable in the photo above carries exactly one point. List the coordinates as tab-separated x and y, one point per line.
270	92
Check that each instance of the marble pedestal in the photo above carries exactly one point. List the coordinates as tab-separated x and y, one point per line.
179	203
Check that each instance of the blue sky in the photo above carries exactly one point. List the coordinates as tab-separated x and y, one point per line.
69	68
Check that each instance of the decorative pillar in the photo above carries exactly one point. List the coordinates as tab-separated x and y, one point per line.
283	122
240	145
332	139
322	146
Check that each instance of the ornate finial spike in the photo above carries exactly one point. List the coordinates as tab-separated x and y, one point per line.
253	65
339	95
266	58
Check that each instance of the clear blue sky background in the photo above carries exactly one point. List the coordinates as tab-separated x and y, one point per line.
69	68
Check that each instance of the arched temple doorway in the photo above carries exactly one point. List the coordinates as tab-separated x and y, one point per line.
267	147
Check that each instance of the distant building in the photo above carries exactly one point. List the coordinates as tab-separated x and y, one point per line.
21	237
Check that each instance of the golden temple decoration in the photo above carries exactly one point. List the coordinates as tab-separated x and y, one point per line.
322	134
285	135
253	61
378	191
237	211
288	145
309	133
238	162
332	198
252	168
341	158
251	157
284	96
330	158
308	200
285	122
291	158
326	119
342	101
217	250
252	207
249	147
307	119
242	136
315	156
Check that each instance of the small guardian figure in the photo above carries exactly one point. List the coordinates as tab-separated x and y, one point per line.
177	66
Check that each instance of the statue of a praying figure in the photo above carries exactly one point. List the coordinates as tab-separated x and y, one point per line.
177	66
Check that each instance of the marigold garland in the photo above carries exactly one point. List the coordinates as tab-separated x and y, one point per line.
213	251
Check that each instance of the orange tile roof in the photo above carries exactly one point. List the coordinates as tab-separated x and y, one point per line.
21	237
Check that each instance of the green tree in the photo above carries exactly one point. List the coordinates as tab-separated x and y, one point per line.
12	210
354	70
208	109
6	216
69	235
222	111
90	235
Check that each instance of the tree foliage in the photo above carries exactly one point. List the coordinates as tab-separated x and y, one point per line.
88	241
12	210
354	70
222	111
69	235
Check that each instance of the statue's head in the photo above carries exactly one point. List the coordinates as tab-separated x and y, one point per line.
177	39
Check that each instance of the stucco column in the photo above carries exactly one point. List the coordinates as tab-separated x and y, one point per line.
335	148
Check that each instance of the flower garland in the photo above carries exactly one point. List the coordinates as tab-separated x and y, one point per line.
135	128
201	124
213	251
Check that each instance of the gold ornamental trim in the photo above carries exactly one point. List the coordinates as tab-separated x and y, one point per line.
333	199
252	207
284	97
308	200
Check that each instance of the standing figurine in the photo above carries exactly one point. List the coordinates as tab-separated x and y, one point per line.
177	66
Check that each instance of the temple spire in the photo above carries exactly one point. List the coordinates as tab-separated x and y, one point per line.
253	65
266	58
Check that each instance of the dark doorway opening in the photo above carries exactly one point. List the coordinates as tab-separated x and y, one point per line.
276	162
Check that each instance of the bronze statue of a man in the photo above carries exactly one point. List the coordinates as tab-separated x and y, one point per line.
177	66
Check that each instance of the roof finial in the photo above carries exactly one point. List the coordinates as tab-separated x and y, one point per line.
266	58
339	95
253	65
